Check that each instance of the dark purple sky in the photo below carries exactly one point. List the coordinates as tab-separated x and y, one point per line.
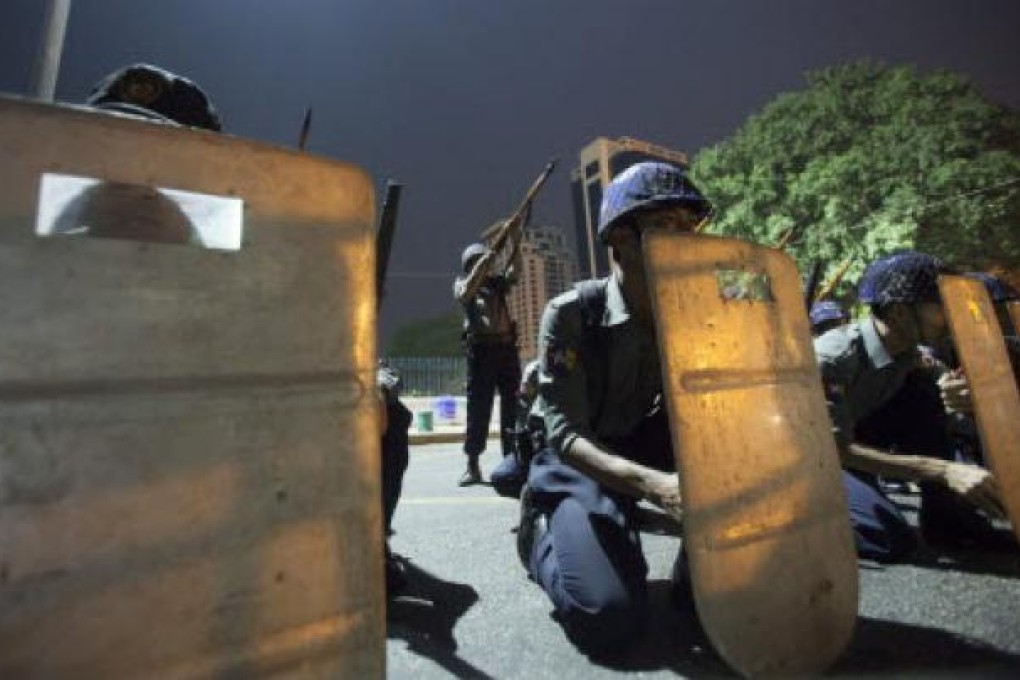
465	100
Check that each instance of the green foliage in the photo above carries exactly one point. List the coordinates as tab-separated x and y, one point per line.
435	337
869	159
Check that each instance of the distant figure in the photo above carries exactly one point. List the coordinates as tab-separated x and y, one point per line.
889	406
490	342
826	315
396	420
529	432
128	211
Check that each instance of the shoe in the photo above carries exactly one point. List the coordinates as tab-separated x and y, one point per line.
533	526
473	474
965	529
396	575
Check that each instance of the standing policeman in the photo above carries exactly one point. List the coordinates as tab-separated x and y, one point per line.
600	392
490	342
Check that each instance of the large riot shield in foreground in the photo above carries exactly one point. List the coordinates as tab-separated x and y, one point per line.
766	527
188	434
977	335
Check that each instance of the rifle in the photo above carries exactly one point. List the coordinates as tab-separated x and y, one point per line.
786	238
517	219
811	285
384	237
826	289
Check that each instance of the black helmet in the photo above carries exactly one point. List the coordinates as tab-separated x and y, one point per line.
155	93
908	276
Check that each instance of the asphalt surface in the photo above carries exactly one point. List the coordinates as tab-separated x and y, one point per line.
470	611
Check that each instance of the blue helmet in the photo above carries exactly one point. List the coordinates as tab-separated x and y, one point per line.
826	310
470	253
152	92
647	185
998	290
908	277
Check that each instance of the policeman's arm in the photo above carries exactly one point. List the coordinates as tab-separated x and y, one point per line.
975	484
513	261
563	387
465	289
624	476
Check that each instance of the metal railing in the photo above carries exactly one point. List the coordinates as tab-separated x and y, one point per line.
430	376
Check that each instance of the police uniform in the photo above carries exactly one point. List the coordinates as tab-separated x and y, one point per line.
493	364
589	561
891	403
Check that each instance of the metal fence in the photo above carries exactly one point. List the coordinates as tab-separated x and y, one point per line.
431	376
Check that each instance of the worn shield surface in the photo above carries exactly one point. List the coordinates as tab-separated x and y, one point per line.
982	350
766	527
188	434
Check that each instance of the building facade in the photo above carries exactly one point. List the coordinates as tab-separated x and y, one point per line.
547	269
600	161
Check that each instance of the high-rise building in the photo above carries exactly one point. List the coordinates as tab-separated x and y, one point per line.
600	161
547	269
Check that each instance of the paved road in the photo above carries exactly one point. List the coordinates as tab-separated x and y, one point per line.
471	612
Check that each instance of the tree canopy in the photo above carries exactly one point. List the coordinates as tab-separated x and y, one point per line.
869	159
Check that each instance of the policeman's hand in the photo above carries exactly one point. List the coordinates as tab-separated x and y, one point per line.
955	392
976	485
664	492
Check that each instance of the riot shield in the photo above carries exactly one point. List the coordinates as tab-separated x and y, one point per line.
189	467
766	523
982	350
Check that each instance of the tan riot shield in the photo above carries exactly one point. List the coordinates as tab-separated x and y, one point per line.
189	463
982	350
766	520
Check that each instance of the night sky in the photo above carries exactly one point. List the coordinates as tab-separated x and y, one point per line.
465	100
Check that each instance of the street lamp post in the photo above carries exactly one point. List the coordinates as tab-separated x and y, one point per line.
45	85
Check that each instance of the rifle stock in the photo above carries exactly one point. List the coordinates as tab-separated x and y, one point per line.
517	218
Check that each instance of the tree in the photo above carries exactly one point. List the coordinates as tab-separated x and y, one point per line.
869	159
435	337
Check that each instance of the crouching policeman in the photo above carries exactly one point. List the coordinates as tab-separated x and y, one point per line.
608	441
889	416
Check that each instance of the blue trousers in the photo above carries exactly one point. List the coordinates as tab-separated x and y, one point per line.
590	562
491	368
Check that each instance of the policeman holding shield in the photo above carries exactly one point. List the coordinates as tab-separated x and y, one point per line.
890	415
608	440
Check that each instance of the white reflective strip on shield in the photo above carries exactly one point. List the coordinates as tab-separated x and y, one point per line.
766	522
189	468
85	206
982	350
